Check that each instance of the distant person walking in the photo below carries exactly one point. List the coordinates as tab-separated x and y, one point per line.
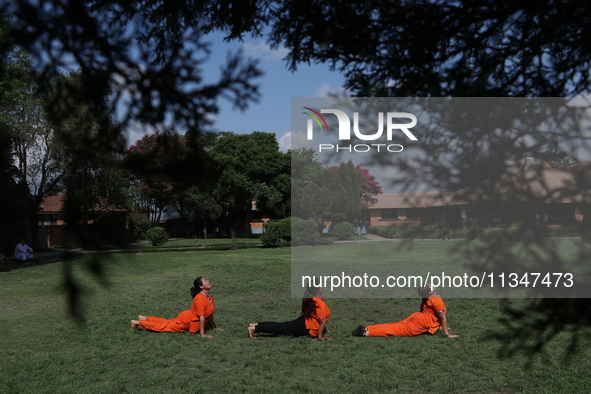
441	230
447	231
473	233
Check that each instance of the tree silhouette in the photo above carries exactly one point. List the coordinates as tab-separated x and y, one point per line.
149	55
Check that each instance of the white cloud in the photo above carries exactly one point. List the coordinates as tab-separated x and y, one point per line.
285	142
295	140
263	51
325	90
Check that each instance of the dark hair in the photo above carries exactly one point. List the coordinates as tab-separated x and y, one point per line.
196	289
308	304
425	291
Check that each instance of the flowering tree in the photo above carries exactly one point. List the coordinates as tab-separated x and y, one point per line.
150	159
369	187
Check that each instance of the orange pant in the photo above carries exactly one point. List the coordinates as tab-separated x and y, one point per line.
160	324
411	326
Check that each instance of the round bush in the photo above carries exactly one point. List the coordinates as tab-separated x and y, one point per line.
285	228
344	230
303	232
271	238
157	236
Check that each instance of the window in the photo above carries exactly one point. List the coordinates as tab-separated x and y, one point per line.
47	220
414	213
389	214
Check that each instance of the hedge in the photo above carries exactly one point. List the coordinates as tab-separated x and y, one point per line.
430	232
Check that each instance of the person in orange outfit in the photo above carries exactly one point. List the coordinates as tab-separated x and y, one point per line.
312	321
432	317
197	319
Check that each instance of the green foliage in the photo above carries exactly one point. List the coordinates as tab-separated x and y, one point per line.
170	88
514	232
502	49
285	228
275	232
157	236
345	193
150	160
414	232
252	169
341	191
309	195
271	238
303	232
139	224
344	230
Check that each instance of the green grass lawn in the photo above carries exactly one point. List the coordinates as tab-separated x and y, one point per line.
43	350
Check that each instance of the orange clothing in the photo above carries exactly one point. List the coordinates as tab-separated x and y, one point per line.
427	320
203	305
321	312
433	306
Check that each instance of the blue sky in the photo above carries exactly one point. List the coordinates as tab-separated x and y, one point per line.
277	86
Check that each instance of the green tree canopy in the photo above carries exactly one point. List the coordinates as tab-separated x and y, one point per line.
252	170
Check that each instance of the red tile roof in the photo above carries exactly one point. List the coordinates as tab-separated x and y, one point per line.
53	204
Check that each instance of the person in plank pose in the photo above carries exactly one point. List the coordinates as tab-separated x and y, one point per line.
312	321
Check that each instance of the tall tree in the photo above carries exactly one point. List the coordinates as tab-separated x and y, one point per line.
340	191
309	194
344	185
149	55
199	208
252	170
33	162
13	195
149	159
370	187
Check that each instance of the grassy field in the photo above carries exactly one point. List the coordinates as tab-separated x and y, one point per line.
43	350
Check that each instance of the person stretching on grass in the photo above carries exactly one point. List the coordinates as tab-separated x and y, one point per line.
432	317
315	315
196	319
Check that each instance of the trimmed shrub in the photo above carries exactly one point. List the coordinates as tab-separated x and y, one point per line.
344	230
157	236
513	231
139	224
285	228
271	238
303	232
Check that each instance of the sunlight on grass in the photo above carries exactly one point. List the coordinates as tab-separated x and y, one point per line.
43	350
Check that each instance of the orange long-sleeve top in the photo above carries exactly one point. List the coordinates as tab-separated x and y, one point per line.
321	312
203	305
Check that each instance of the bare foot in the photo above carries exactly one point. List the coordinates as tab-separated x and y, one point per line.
251	331
134	325
141	317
